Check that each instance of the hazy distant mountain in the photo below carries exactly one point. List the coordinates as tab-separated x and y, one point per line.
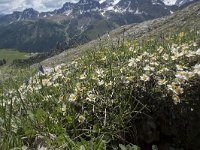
76	23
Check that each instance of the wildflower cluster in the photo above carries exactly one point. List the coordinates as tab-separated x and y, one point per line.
106	87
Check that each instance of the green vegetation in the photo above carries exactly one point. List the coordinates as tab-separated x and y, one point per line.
9	55
32	36
99	100
44	35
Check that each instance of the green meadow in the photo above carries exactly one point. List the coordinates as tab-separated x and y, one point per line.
10	54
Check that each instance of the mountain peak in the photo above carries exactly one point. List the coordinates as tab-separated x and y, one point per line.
83	2
66	7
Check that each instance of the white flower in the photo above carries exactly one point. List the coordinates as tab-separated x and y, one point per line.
198	52
145	54
194	44
162	82
184	75
144	77
132	62
91	97
83	76
174	57
100	82
165	56
139	58
176	99
175	88
130	78
64	108
191	54
72	98
81	119
149	68
180	67
197	69
104	58
160	49
100	72
131	49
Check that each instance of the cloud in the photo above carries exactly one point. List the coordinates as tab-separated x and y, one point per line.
8	6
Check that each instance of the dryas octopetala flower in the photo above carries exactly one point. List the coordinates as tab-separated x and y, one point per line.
176	99
184	75
175	88
149	68
180	67
162	82
197	69
165	56
100	72
83	76
104	58
145	77
131	49
100	82
139	58
130	78
195	44
72	97
60	98
64	108
81	119
174	57
132	62
145	54
154	63
90	97
160	49
190	54
198	52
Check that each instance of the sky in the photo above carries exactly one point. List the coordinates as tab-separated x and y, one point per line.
8	6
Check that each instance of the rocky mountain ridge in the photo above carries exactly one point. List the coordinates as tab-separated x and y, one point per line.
104	8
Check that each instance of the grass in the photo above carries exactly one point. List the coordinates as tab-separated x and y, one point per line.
95	101
10	54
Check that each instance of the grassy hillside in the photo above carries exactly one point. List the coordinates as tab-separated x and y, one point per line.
9	55
128	93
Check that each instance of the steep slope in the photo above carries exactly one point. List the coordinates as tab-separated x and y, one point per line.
188	18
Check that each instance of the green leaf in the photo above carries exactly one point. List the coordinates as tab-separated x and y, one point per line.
82	147
1	121
135	147
69	119
95	128
40	115
30	114
122	147
154	147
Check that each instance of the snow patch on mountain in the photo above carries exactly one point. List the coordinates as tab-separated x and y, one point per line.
113	2
182	2
169	2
